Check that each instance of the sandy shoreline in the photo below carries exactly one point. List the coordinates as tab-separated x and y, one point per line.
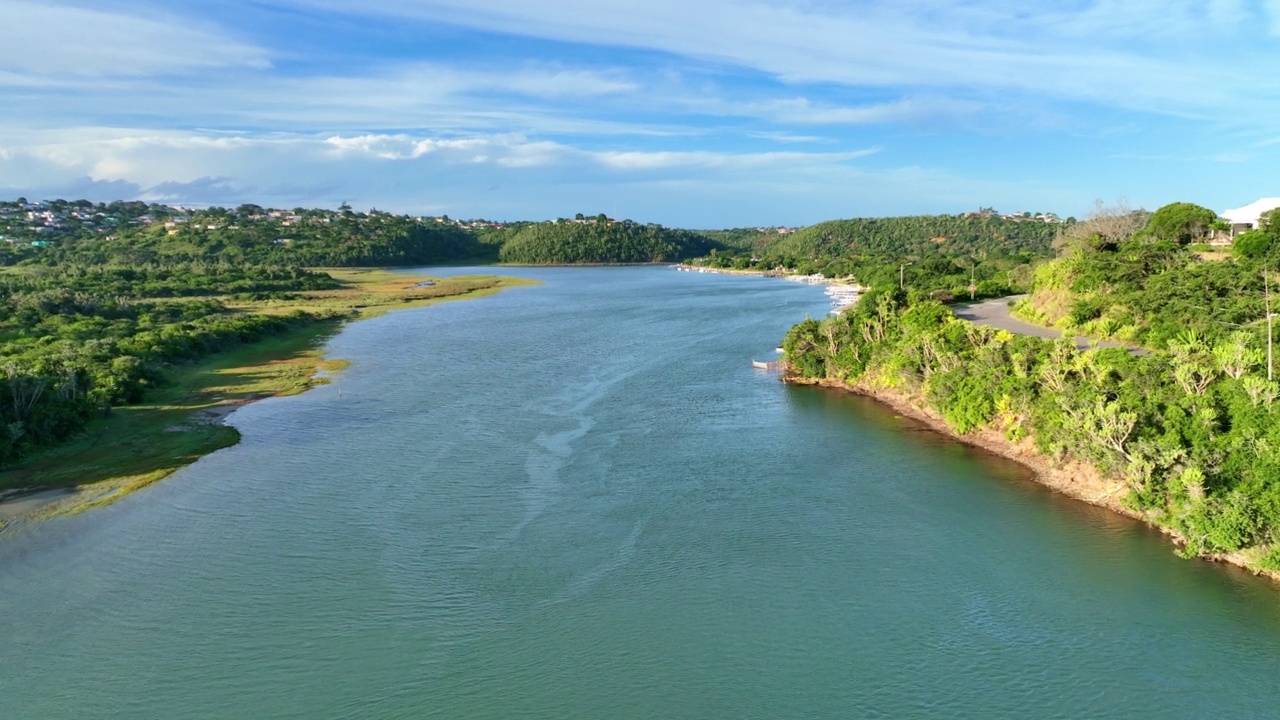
794	277
1076	480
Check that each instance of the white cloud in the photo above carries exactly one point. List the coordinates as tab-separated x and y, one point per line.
802	111
787	137
632	160
43	39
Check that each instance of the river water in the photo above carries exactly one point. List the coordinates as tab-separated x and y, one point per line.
578	500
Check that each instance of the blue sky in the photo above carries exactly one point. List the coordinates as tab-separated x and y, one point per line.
713	113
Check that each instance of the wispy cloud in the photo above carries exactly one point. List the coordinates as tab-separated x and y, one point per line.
737	161
42	39
532	98
788	137
802	111
202	191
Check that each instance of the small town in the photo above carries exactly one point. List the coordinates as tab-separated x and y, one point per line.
41	223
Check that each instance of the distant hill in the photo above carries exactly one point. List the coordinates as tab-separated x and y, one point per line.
247	235
594	241
136	233
59	232
916	235
974	255
341	242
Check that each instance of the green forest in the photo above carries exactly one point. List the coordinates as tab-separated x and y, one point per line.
1190	424
136	233
955	235
600	241
942	254
315	239
76	340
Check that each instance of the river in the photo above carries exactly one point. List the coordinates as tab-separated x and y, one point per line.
578	500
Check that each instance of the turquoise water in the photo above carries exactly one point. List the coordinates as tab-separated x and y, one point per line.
578	500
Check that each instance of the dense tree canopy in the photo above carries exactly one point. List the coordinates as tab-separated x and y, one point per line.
600	241
1182	222
946	256
918	235
79	339
1149	292
316	241
1253	245
1188	430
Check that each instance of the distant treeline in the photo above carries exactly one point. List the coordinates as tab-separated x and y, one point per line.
343	240
953	256
138	234
154	280
920	235
600	242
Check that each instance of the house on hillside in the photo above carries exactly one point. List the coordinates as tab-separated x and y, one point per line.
1244	219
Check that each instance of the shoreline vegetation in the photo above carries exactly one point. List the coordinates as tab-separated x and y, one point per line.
1175	425
137	445
1073	477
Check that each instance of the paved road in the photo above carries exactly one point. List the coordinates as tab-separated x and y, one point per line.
996	314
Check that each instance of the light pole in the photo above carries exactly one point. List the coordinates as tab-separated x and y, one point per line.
1266	284
901	276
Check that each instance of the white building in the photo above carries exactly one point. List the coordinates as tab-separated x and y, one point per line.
1246	218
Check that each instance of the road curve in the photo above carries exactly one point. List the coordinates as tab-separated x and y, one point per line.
995	313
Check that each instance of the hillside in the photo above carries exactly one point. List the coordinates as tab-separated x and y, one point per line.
593	241
135	233
309	238
1151	285
946	256
917	235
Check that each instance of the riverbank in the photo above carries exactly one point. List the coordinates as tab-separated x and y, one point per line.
844	292
1076	480
138	445
819	279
